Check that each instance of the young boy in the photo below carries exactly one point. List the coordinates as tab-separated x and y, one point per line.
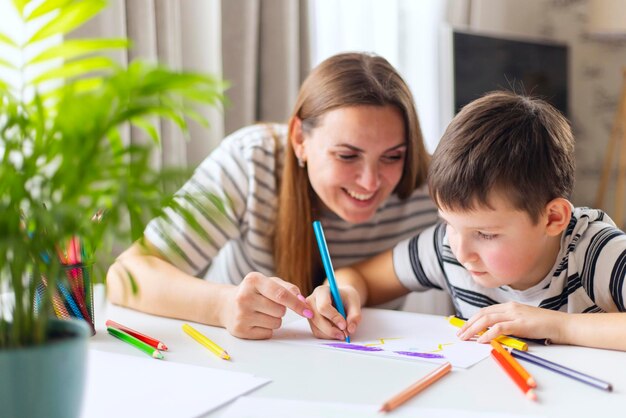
514	254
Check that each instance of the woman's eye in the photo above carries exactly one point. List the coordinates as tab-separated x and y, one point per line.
347	157
487	236
393	158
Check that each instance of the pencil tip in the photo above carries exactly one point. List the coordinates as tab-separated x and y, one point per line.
531	382
157	355
162	347
225	356
531	395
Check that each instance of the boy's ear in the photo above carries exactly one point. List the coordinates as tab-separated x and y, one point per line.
557	215
296	136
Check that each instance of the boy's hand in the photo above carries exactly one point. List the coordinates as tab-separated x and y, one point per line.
254	308
516	319
327	322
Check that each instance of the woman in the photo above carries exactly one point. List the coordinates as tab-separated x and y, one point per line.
352	156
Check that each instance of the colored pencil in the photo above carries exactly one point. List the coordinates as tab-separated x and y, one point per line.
145	338
129	339
328	268
565	371
416	388
205	341
57	302
502	339
521	383
69	300
540	341
514	363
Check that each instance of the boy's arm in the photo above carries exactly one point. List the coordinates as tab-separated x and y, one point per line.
375	279
600	330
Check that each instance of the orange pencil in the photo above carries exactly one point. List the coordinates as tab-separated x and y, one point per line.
514	363
416	388
146	339
521	383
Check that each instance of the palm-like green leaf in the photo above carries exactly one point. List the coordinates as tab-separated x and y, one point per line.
19	6
6	40
77	48
73	160
70	17
47	7
75	68
147	127
7	64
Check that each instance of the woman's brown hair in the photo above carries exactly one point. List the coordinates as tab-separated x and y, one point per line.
348	79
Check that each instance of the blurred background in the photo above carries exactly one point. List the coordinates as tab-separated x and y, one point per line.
571	52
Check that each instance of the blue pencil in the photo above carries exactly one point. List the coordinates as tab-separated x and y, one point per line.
70	300
328	267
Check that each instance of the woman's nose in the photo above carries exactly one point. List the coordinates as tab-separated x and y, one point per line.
369	177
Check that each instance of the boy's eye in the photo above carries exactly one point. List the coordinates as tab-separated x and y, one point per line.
486	236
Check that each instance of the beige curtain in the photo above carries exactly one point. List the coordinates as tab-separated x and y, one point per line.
265	57
260	47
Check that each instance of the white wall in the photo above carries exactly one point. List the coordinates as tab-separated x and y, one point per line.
595	74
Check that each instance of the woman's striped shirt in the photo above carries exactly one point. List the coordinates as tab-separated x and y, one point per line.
588	274
242	171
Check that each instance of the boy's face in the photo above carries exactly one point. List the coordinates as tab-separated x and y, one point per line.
502	246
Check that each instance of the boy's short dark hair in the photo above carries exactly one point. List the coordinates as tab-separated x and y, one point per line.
516	145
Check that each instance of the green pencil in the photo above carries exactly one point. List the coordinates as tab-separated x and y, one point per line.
127	338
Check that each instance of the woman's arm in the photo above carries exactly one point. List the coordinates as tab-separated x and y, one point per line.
251	310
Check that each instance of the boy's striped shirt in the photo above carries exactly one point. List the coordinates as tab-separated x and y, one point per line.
588	274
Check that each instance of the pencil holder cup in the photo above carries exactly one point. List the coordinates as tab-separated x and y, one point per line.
72	296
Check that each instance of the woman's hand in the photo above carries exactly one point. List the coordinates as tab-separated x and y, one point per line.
255	308
516	319
327	322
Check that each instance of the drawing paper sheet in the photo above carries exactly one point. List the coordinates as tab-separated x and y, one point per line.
398	335
120	385
252	407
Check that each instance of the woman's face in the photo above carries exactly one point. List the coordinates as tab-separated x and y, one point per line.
355	158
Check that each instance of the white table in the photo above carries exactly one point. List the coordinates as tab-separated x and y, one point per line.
313	374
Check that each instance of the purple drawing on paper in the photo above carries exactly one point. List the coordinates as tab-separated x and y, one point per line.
355	347
420	355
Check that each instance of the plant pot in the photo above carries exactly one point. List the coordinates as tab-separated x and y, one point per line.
46	380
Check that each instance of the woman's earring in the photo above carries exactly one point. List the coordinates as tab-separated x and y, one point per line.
301	162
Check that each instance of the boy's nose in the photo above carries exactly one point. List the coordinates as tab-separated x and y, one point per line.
464	253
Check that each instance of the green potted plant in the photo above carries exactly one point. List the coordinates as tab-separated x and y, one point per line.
62	160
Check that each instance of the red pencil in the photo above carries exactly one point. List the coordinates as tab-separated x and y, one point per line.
519	381
146	339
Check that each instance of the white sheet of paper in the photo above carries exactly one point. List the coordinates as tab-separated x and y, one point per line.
395	334
253	407
120	385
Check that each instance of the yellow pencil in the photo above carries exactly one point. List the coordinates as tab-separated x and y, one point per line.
502	339
205	341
